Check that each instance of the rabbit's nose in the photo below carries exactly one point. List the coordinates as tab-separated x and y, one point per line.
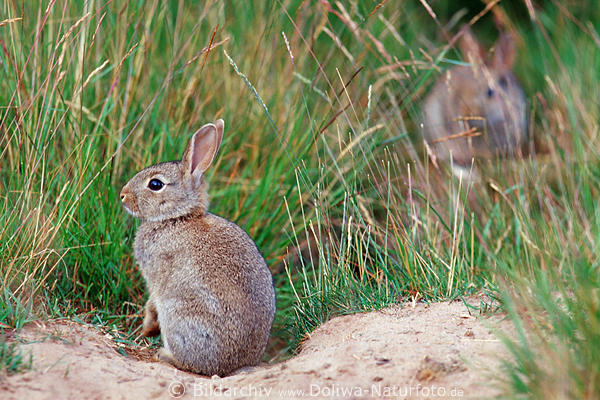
123	194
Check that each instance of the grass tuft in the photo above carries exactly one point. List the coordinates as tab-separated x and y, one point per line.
12	359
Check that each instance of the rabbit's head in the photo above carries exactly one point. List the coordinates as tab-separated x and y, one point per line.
479	109
177	188
491	96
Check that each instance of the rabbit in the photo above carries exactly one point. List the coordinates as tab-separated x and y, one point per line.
477	110
211	294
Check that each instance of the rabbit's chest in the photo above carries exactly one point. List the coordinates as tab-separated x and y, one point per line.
157	250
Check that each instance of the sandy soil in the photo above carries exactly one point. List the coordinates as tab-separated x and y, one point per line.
414	351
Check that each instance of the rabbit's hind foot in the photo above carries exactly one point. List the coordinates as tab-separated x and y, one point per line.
165	355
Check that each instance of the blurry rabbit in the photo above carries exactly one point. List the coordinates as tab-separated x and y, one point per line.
211	293
477	110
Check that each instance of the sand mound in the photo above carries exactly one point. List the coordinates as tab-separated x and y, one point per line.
420	351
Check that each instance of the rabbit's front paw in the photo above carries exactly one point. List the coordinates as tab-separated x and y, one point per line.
151	327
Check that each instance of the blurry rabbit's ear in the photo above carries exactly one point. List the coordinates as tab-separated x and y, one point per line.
505	53
470	48
201	150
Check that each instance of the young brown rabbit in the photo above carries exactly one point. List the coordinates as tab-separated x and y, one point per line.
479	110
211	293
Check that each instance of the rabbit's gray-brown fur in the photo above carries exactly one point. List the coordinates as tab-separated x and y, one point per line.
211	293
483	98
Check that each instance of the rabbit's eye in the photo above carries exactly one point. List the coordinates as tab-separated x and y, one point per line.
490	92
155	184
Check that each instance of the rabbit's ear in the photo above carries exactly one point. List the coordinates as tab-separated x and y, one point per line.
504	53
220	124
201	150
470	48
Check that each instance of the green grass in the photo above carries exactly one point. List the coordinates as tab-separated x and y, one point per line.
12	359
321	163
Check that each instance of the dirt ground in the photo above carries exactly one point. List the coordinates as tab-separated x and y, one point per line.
416	351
